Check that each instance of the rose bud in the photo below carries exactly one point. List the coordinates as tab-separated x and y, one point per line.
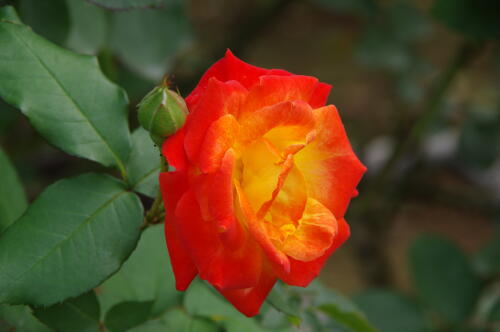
264	173
162	112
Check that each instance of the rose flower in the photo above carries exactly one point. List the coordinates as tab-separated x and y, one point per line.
263	176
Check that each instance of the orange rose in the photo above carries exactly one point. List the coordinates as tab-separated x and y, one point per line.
264	175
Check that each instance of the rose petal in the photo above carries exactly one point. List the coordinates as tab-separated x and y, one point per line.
173	150
302	273
173	185
331	169
273	89
269	183
214	193
231	68
295	117
221	135
260	172
320	95
314	234
219	99
249	300
290	195
259	233
223	267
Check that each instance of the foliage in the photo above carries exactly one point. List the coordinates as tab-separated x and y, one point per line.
443	278
85	256
12	197
449	292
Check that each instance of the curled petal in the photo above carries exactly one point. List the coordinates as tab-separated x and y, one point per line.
302	273
314	234
296	116
289	198
271	184
258	231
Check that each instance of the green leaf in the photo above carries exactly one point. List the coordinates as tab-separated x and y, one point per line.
443	278
280	300
127	315
139	38
494	314
472	329
391	312
48	18
19	318
65	96
89	27
177	320
145	276
8	13
128	4
271	318
342	311
352	320
79	314
487	261
143	165
12	197
237	324
473	18
75	234
201	300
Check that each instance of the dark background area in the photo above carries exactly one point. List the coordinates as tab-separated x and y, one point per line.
417	86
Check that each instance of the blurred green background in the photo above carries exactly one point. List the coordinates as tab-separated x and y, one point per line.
417	84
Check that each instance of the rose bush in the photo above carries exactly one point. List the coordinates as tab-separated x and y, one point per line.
264	173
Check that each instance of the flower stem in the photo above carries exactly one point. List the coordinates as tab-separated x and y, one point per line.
156	212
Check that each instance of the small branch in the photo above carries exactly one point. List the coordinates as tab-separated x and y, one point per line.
153	217
156	212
